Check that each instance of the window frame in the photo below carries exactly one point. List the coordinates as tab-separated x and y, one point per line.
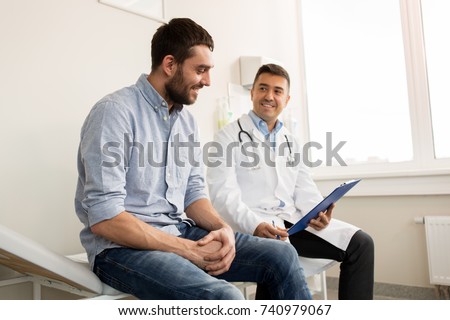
424	175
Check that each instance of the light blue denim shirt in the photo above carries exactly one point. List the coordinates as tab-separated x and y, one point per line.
129	160
262	127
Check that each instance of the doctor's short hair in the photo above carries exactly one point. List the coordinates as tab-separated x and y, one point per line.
176	38
275	70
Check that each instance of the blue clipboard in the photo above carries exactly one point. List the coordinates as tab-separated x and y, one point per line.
333	197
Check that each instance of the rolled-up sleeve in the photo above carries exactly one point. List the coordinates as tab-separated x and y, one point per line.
102	160
195	189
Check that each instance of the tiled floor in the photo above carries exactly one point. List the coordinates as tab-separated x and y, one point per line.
333	295
382	291
385	291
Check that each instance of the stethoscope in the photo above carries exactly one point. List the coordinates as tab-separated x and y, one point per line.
290	158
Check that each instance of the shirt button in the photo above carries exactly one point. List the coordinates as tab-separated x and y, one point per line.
165	118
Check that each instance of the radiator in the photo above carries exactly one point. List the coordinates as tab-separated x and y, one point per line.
437	231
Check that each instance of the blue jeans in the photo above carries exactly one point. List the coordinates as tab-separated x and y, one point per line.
149	274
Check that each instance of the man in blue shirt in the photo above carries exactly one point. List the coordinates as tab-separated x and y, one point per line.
150	229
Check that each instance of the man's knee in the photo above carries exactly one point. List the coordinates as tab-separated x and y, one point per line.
227	292
362	241
283	254
366	240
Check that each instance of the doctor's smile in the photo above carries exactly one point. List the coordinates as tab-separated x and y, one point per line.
270	95
267	105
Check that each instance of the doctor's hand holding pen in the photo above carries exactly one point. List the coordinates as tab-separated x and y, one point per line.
271	231
323	220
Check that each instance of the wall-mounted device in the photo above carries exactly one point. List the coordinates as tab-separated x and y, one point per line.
249	65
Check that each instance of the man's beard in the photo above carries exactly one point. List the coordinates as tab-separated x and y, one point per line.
177	90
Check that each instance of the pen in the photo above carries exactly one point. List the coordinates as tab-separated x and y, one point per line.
273	224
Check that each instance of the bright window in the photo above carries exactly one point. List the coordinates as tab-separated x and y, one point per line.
356	79
376	76
436	25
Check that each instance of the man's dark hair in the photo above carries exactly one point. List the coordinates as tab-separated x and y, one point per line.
177	38
275	70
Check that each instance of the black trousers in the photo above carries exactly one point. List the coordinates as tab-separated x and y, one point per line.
356	277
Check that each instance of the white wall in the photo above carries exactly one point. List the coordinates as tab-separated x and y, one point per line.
58	57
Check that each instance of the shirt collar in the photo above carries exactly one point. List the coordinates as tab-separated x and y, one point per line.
152	96
262	125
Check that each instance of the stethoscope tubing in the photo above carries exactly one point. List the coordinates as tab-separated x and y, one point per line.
242	131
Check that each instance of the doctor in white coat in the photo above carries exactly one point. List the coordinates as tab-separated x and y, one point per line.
259	184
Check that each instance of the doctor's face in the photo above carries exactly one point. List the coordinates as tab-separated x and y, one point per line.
270	94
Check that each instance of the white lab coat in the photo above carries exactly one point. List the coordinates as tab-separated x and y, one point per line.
247	196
